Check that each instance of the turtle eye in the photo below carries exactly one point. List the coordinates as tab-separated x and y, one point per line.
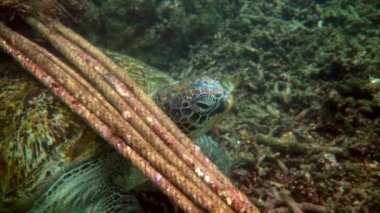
202	105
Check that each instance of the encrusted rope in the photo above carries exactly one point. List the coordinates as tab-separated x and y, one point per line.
162	125
97	108
11	42
169	164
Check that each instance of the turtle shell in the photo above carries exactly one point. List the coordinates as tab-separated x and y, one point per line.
40	137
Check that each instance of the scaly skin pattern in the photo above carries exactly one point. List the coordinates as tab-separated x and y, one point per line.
50	160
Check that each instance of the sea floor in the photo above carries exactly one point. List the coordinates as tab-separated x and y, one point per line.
305	76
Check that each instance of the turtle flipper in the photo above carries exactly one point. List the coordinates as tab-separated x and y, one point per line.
116	200
212	149
89	187
113	201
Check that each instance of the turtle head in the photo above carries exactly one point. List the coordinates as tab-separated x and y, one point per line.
194	104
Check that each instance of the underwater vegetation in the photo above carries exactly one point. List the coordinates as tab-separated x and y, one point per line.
304	75
146	29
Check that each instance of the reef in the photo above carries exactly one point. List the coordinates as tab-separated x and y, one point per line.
305	129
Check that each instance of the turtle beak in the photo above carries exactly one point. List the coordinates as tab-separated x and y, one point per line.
226	102
229	101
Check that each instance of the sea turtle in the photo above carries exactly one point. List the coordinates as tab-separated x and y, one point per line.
50	161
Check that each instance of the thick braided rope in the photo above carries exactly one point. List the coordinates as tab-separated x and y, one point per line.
11	42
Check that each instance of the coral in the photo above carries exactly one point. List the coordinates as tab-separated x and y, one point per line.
301	72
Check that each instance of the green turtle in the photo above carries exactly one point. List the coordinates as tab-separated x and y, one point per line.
50	161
